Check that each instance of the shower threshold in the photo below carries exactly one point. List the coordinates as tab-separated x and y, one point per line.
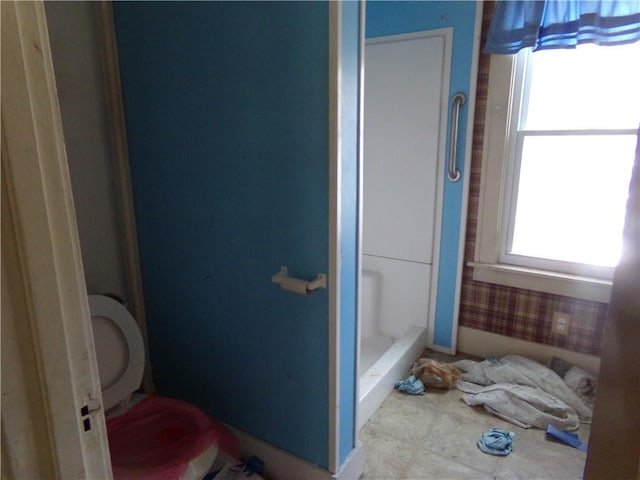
393	365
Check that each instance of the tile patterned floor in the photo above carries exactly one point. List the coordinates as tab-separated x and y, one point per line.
434	437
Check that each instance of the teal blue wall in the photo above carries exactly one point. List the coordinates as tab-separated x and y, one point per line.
227	120
392	18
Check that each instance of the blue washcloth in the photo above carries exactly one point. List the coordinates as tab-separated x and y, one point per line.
569	438
497	442
411	385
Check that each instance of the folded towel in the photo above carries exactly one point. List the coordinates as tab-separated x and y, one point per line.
497	442
569	438
411	385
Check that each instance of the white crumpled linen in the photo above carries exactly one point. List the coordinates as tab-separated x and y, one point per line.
583	383
522	391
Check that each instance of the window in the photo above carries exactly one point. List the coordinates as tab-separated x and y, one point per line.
560	138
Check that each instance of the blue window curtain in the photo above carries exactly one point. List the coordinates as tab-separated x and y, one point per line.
561	24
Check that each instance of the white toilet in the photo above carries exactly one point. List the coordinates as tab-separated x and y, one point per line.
150	437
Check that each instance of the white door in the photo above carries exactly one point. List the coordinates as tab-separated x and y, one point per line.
406	92
52	420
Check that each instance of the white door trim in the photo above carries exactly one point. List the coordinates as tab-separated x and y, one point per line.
51	290
361	62
334	233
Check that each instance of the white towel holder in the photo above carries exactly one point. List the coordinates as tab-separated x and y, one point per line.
297	285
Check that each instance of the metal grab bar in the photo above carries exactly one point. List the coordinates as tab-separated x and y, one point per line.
457	101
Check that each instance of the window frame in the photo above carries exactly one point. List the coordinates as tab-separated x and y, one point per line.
507	256
492	236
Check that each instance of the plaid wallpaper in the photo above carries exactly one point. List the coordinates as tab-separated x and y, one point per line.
511	311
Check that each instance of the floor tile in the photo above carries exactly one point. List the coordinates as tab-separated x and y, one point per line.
431	466
386	458
434	436
541	461
536	433
456	438
404	417
437	397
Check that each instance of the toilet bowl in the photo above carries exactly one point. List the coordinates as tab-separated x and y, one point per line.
150	437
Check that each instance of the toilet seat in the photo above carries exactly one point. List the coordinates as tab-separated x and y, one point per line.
156	438
159	437
119	350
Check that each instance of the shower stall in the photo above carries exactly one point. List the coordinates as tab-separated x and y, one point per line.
406	90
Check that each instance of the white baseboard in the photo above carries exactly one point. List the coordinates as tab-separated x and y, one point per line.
282	465
485	344
353	465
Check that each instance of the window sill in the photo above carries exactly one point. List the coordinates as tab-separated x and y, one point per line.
593	289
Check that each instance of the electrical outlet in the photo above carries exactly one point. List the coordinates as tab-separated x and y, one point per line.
561	323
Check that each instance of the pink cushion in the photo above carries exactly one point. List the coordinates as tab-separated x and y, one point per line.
159	436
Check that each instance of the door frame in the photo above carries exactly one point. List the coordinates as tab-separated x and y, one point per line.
346	21
443	316
334	235
47	298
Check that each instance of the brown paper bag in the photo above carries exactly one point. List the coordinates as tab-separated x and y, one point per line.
435	374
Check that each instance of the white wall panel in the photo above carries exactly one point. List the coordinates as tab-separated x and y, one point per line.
403	98
399	291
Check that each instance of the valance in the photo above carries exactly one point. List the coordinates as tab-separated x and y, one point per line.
561	24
